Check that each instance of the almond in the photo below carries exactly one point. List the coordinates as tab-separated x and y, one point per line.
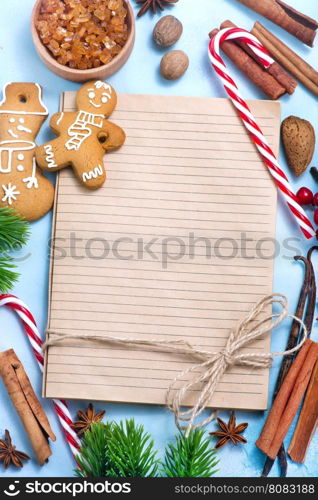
299	142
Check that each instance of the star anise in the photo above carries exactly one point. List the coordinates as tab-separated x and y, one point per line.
154	4
86	419
229	432
9	454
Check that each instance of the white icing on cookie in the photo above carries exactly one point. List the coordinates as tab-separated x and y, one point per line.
79	131
7	149
20	168
60	119
103	85
21	128
32	181
20	157
13	134
12	112
105	95
50	156
10	193
93	174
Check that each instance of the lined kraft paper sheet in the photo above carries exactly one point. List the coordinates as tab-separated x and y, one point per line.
188	170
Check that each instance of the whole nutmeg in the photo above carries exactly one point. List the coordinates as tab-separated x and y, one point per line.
174	64
167	31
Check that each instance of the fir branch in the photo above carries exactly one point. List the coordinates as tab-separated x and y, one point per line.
93	455
117	450
190	456
14	231
7	276
131	451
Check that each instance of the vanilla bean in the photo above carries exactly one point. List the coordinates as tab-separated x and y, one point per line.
314	173
288	360
308	321
268	466
307	420
308	294
282	458
311	306
295	331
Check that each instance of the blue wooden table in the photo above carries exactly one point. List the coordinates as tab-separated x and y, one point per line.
19	62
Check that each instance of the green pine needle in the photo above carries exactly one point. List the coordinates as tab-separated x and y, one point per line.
131	451
190	456
117	450
7	276
93	455
14	233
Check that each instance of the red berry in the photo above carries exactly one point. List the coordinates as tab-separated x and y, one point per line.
316	200
305	196
316	217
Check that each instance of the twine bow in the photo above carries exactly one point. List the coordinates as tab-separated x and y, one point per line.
204	376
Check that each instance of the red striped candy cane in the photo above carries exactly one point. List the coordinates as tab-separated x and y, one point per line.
33	334
244	112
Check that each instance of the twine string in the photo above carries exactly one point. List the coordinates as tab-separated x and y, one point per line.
199	382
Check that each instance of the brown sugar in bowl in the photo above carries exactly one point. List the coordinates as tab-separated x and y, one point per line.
78	75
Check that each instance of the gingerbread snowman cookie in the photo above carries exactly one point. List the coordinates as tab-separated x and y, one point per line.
84	136
22	186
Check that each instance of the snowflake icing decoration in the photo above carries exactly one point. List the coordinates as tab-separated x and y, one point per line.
10	193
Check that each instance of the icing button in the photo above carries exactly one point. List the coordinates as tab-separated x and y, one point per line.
20	168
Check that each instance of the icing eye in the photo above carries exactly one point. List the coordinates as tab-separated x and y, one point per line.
21	120
92	95
12	120
104	100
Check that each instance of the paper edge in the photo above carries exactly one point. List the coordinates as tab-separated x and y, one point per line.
276	151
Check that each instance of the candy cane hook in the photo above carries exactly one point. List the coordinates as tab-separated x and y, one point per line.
248	119
33	335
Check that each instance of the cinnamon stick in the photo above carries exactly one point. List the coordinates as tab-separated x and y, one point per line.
273	420
308	293
287	58
306	310
275	70
284	78
288	400
26	404
296	23
295	400
251	69
307	422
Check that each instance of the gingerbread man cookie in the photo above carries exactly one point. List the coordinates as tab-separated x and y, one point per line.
22	186
84	136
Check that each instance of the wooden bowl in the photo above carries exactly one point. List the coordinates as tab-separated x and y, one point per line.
77	75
